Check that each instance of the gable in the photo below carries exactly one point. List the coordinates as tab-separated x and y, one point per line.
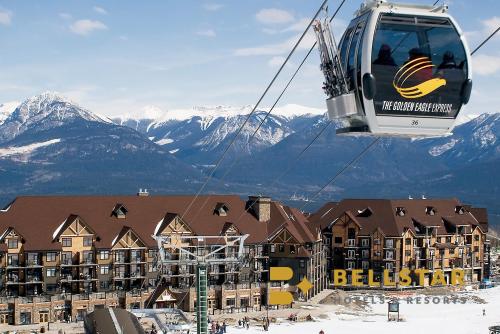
127	238
73	226
284	237
173	224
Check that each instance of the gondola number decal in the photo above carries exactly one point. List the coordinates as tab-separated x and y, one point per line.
414	122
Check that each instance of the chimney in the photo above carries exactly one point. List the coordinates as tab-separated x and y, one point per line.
261	207
143	193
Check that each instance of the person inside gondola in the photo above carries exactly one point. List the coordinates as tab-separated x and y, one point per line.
449	70
448	61
385	56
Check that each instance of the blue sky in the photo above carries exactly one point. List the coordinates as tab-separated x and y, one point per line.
116	57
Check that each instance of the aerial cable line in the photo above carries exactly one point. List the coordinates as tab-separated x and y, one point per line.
340	172
485	41
253	110
283	92
269	112
272	108
377	139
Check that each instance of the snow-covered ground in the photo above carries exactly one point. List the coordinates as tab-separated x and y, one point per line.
425	318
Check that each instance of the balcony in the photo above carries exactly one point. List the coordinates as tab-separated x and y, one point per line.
137	260
351	242
34	263
77	278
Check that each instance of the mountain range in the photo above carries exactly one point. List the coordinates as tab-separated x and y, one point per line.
50	145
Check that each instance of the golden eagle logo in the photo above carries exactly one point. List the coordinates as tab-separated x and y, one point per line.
417	68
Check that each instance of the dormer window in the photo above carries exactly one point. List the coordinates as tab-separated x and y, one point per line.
120	211
400	211
367	212
221	209
430	211
460	210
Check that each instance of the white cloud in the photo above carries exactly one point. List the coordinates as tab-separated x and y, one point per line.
212	7
276	61
274	16
492	23
488	26
100	10
85	27
5	17
298	26
65	16
485	65
278	48
207	33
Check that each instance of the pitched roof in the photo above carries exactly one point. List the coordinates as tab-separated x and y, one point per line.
37	218
384	214
293	220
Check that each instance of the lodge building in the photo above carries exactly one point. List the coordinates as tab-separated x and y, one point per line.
61	257
391	235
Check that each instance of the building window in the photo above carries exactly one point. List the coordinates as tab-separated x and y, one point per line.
302	263
104	270
273	248
389	255
365	253
377	241
87	241
365	242
12	243
351	253
292	249
104	255
365	265
448	239
408	252
152	253
338	240
13	259
66	242
281	248
351	233
151	268
230	302
377	253
476	238
389	266
408	242
51	288
51	257
389	243
51	272
476	248
351	264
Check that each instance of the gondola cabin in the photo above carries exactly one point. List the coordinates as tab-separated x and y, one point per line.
399	70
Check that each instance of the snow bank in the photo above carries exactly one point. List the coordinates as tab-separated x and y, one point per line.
419	318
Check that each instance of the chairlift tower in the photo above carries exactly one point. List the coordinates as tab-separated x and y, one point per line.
200	251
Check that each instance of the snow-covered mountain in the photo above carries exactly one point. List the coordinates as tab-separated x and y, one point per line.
6	109
198	133
49	144
41	112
